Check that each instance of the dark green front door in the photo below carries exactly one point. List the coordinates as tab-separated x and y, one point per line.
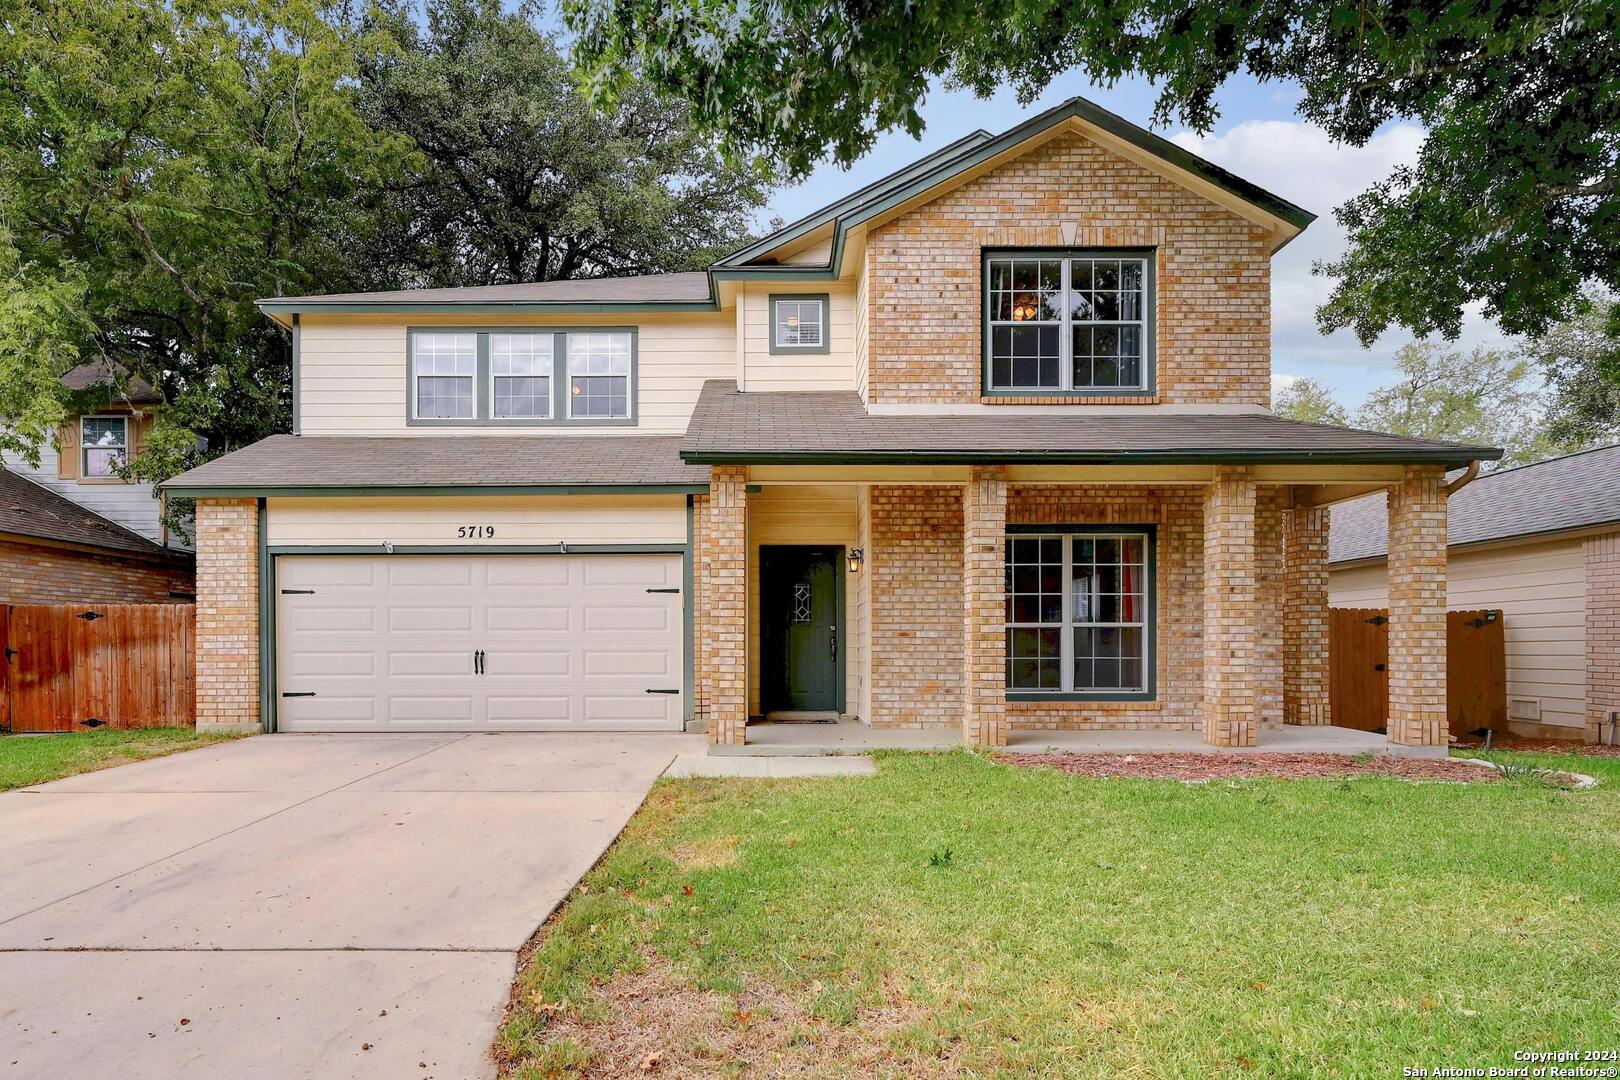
801	644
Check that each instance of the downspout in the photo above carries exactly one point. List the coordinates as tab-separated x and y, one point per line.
1464	480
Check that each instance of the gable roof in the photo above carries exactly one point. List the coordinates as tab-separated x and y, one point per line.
698	291
1575	492
32	510
833	427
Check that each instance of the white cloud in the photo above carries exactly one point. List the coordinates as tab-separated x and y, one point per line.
1299	162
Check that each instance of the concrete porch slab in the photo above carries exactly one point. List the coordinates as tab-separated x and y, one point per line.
1283	740
844	737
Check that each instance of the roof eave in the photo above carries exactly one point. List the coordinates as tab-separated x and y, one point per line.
1450	457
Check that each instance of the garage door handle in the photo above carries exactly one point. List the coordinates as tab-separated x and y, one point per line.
663	691
478	662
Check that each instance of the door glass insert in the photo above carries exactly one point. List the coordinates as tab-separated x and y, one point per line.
801	602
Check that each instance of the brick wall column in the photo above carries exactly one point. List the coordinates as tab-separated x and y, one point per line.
725	622
1602	634
1231	609
227	615
984	584
1305	616
1417	608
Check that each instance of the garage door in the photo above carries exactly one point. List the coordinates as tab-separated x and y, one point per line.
475	643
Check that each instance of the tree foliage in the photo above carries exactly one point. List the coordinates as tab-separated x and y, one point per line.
1581	362
1513	203
1310	401
516	177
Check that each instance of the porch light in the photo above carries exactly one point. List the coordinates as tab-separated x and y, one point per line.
856	557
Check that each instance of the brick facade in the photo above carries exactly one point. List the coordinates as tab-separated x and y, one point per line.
45	574
1214	275
227	615
1231	610
1417	608
984	537
1305	616
1602	633
916	637
724	625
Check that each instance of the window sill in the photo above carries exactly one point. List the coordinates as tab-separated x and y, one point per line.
1037	397
1147	698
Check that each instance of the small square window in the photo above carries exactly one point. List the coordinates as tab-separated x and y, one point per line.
798	324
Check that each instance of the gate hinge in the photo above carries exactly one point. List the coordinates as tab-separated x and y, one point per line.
663	691
1379	620
675	591
298	693
89	616
297	592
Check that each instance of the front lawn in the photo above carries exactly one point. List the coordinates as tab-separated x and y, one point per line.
26	760
954	916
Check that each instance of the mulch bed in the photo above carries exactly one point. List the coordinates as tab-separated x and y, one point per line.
1189	767
1510	741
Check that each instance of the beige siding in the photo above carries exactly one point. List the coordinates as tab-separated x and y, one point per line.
1541	591
861	361
802	515
517	519
352	371
832	370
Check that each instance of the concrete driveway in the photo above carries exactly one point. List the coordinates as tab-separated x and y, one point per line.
296	905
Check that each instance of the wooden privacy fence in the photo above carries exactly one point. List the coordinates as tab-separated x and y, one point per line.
73	667
1476	669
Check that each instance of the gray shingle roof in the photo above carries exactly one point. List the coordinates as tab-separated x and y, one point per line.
101	373
828	427
1572	492
443	461
30	509
643	289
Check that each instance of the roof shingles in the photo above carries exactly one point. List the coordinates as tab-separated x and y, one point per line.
32	510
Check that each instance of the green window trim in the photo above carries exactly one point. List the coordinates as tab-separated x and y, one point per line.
799	298
1065	326
1149	621
484	381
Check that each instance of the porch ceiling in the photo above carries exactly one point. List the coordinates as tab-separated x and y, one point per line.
732	428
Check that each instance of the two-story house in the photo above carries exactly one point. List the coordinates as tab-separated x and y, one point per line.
983	445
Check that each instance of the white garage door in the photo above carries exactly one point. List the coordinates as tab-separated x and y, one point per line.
479	643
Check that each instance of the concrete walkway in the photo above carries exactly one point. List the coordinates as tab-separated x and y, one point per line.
296	905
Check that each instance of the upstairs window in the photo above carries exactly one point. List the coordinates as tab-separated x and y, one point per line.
446	366
799	324
522	377
103	445
1069	322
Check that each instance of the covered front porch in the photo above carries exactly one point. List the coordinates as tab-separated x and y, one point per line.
1134	608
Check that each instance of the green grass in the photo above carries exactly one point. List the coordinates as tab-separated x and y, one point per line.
956	917
33	759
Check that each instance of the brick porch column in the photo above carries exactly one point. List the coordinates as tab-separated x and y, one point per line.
1305	616
1231	609
227	615
725	619
1417	608
984	545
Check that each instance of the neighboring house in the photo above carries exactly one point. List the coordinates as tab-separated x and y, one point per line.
107	427
804	481
1541	544
53	551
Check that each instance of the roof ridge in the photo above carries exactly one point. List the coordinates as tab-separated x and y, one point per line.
1493	474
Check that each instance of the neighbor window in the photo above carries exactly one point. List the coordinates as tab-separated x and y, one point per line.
599	375
522	377
445	367
1068	322
103	445
798	324
1078	613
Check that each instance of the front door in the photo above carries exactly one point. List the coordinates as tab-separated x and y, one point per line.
801	609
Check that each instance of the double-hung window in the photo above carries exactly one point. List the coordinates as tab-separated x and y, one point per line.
522	377
1079	612
103	445
444	368
1068	322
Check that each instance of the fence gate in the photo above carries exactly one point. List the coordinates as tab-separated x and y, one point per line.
72	667
1476	670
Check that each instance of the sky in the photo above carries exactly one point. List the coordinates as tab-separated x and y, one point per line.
1258	137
